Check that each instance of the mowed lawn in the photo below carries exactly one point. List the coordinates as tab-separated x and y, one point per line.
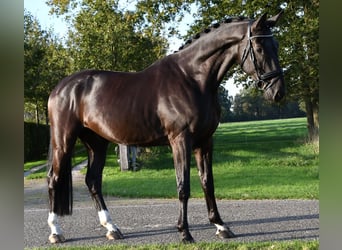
252	160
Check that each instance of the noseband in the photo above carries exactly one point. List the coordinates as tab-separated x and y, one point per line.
262	78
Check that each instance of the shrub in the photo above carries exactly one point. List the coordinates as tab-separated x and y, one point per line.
36	141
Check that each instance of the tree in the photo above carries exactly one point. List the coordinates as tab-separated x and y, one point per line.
249	104
104	37
46	61
35	42
301	44
225	102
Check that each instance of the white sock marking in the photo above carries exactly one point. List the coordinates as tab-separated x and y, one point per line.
106	220
221	228
53	223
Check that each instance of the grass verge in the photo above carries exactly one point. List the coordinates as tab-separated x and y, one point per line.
286	245
79	156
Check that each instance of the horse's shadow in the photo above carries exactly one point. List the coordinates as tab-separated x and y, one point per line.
284	234
236	224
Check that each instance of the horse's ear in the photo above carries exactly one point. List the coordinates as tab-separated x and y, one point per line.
259	23
271	22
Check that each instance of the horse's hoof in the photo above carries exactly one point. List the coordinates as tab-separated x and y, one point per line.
56	238
187	238
114	235
224	234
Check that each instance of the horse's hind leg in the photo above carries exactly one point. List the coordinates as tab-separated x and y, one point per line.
203	156
63	137
97	147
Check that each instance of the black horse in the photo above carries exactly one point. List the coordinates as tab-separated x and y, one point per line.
172	102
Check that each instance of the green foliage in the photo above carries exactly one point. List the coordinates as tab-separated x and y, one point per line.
105	38
31	164
161	17
251	105
35	45
225	103
36	141
46	61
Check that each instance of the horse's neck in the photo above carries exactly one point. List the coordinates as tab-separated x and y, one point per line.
209	58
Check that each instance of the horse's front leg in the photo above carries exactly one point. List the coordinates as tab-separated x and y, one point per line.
203	156
181	150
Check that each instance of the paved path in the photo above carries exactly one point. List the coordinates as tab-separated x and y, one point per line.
154	220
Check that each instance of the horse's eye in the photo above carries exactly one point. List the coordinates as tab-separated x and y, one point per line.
259	50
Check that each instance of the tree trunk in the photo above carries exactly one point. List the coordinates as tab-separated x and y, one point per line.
37	113
46	115
312	119
316	120
316	114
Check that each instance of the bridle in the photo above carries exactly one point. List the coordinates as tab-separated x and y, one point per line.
262	78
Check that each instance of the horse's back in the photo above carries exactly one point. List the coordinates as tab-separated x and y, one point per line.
118	106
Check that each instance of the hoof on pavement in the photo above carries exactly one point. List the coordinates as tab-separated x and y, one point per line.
56	238
224	234
114	235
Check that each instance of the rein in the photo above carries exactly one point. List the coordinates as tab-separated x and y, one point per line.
262	78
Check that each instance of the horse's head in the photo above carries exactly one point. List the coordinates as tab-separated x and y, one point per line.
259	57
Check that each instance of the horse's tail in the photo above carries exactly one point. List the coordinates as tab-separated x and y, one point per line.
60	187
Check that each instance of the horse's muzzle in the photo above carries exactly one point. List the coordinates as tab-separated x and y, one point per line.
277	90
279	96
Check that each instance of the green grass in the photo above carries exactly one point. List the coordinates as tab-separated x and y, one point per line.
79	156
285	245
252	160
32	164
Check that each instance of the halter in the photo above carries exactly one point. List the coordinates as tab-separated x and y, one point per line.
262	78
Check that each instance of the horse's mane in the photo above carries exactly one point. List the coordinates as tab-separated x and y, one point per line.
209	29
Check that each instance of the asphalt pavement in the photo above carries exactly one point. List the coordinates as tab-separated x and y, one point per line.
153	220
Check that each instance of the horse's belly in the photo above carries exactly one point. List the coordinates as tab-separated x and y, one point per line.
129	132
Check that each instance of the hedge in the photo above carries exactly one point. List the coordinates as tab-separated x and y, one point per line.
36	141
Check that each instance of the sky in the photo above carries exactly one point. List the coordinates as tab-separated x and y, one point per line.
40	10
